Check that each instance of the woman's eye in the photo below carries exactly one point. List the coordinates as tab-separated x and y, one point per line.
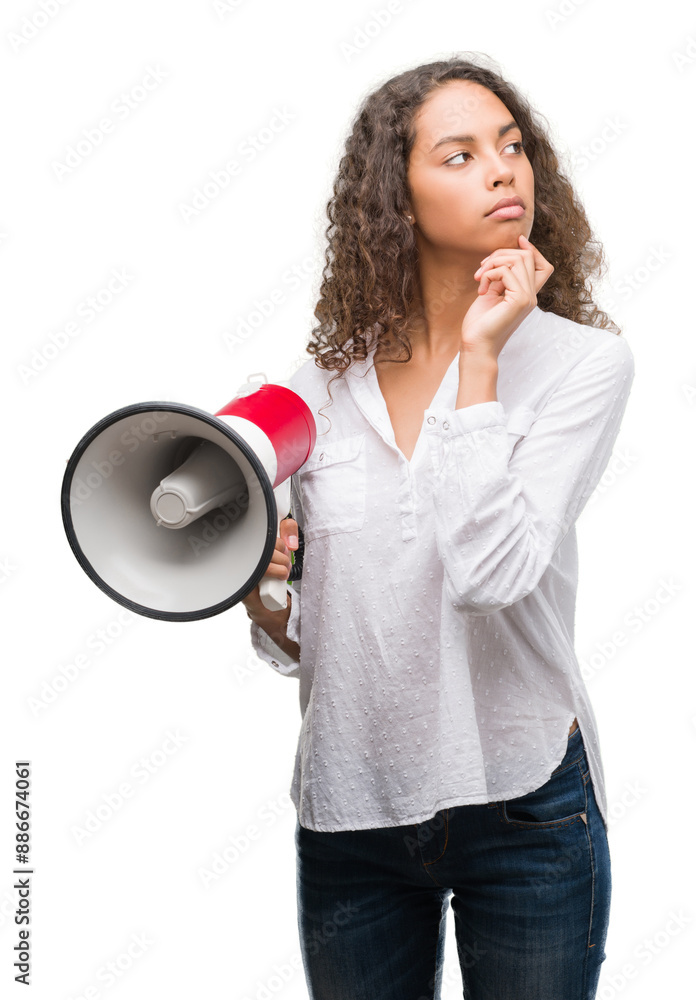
453	158
519	143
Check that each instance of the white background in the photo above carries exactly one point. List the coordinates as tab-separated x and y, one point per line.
618	93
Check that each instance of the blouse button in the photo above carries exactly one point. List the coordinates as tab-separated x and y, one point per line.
446	425
321	457
431	420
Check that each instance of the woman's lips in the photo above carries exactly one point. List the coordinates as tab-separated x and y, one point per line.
509	212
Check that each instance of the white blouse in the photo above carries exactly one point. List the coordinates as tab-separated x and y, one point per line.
436	609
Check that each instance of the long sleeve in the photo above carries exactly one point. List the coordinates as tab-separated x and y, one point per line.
267	650
500	517
261	642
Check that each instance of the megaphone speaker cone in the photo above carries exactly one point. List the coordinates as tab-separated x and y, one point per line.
220	502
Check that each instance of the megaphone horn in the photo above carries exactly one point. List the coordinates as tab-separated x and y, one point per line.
174	512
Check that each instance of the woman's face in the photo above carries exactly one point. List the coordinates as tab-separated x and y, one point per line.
454	182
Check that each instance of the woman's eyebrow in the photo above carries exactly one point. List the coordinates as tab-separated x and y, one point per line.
472	138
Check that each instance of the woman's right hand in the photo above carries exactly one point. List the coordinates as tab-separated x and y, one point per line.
278	568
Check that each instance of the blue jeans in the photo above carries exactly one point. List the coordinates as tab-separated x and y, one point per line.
530	883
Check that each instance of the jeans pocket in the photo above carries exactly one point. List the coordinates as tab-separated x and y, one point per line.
559	801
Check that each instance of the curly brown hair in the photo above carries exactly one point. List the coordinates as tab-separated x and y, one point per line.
370	279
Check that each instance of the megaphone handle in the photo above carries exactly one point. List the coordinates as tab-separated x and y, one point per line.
274	593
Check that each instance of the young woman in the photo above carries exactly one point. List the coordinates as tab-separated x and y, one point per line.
448	747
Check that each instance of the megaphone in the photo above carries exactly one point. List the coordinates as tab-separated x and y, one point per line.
174	512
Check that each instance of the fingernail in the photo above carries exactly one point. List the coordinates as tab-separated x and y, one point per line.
293	541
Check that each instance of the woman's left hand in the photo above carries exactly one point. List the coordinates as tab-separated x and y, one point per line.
510	279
